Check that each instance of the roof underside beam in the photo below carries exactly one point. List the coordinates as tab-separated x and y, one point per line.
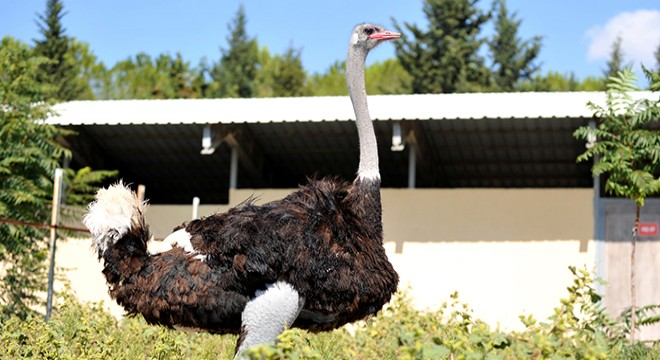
245	153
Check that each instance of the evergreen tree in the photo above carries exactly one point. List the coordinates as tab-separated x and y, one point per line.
281	75
445	57
235	74
200	76
90	72
182	77
289	75
142	77
657	59
616	63
330	83
513	58
555	81
59	72
137	78
388	77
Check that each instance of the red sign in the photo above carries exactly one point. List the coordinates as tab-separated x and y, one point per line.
648	229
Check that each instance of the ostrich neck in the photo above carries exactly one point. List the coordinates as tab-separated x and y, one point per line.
368	168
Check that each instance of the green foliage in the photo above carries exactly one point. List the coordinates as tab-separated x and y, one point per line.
164	77
627	149
513	58
281	75
60	71
29	155
578	329
78	331
91	73
444	58
235	74
386	77
554	81
656	55
330	83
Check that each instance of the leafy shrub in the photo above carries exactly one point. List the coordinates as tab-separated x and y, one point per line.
578	329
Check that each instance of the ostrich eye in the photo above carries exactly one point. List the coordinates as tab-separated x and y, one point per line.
369	31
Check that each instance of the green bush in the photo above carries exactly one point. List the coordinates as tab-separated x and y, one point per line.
578	329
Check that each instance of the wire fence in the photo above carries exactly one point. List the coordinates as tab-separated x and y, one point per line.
43	226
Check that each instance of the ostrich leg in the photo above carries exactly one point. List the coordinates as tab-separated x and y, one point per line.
265	317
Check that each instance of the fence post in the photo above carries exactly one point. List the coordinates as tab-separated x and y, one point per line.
141	189
195	208
54	221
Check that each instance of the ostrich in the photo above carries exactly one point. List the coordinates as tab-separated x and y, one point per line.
312	260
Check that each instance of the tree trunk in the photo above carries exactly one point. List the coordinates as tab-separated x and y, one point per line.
633	278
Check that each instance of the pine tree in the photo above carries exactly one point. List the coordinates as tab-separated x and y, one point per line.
616	63
444	58
59	72
235	74
513	58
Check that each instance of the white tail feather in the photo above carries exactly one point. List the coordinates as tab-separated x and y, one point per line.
115	212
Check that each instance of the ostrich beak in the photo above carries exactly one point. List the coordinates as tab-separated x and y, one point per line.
385	35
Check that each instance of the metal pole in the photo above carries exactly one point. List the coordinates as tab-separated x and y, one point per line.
54	221
412	165
233	168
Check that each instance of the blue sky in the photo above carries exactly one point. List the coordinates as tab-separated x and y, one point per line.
577	35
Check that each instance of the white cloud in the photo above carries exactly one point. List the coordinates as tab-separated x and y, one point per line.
640	37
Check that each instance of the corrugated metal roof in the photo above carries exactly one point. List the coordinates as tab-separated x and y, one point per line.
492	140
330	108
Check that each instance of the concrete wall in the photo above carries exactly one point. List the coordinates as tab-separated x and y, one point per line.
506	252
620	217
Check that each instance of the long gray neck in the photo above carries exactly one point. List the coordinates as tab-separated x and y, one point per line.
368	168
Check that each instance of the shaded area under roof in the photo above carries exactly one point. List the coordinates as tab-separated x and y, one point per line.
480	146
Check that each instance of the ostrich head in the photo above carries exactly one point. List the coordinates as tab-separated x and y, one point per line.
368	36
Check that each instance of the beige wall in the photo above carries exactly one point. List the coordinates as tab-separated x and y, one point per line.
506	252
